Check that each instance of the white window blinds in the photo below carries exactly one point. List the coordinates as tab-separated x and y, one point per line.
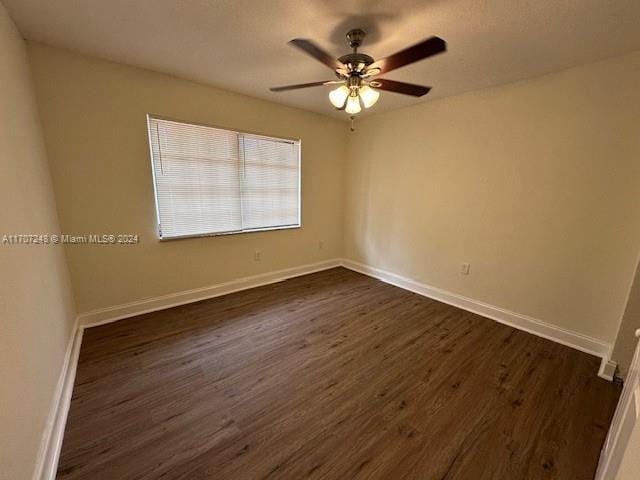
210	181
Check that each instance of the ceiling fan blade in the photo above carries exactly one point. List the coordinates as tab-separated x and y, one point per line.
420	51
401	87
284	88
316	52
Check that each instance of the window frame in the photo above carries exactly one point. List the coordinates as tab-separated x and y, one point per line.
150	117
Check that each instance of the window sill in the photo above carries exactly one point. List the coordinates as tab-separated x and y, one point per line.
235	232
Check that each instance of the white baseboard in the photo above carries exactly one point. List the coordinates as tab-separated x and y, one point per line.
118	312
51	443
607	369
532	325
529	324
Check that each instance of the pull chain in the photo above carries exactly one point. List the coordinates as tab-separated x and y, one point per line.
353	120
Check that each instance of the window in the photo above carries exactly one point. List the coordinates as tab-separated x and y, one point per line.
210	181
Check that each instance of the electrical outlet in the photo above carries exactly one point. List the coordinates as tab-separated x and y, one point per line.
464	268
257	255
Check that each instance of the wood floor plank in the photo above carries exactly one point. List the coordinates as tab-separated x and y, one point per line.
330	376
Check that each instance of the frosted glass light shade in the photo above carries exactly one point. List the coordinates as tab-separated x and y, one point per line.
338	96
369	96
353	105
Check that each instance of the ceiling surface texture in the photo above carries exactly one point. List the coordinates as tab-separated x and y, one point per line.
241	45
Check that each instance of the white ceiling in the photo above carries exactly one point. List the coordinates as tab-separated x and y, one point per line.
241	45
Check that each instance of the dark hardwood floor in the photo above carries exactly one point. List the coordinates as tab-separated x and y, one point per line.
331	376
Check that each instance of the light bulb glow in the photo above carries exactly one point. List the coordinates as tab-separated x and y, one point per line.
369	96
353	105
338	96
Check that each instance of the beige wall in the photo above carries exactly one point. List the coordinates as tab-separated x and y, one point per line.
535	184
626	340
94	117
36	306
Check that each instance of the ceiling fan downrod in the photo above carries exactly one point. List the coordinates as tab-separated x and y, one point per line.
356	61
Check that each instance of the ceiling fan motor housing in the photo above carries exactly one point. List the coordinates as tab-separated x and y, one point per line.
355	59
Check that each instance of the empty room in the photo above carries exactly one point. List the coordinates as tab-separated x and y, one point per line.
286	240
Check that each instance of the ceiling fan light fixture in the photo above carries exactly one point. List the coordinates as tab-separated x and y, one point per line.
338	96
353	104
369	96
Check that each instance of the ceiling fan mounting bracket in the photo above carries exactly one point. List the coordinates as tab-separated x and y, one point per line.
355	37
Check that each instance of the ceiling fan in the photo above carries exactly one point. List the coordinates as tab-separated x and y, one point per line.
355	71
